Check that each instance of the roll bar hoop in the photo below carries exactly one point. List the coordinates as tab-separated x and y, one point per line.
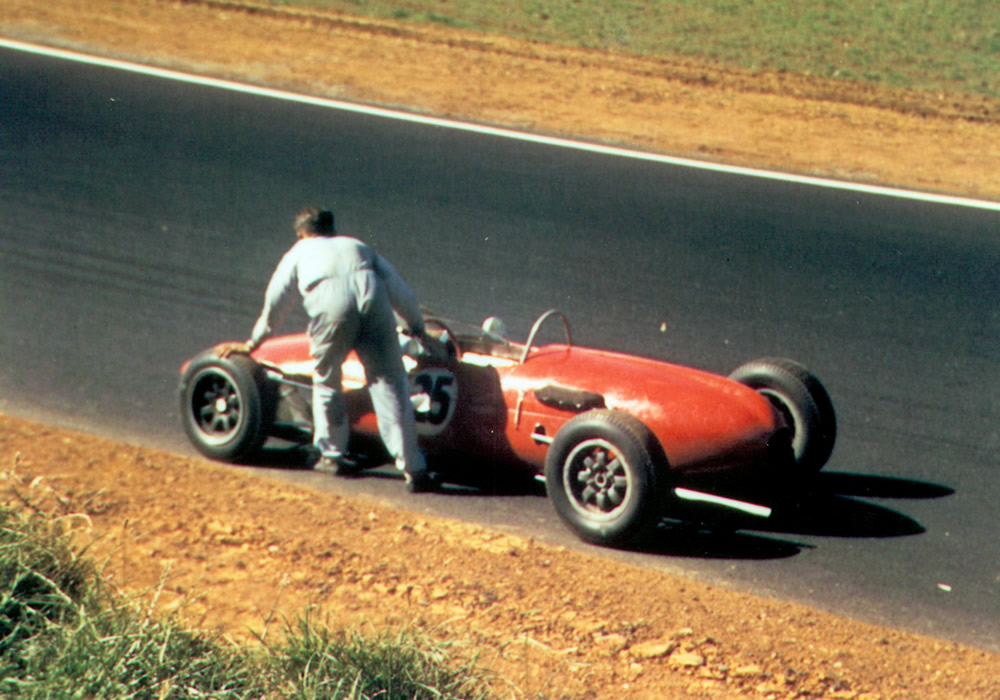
538	324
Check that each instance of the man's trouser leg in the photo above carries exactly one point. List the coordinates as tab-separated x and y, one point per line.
396	422
332	332
331	429
379	351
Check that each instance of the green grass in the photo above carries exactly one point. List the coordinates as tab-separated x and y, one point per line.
64	635
926	44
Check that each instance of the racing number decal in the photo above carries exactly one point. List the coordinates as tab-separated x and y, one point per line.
436	388
434	393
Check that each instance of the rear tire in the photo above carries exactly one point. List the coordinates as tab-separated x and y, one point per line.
602	479
227	406
801	398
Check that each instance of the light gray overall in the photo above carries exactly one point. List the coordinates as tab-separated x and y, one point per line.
349	292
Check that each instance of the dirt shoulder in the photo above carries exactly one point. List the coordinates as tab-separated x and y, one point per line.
936	142
231	551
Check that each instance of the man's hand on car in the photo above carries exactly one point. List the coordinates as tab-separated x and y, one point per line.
224	350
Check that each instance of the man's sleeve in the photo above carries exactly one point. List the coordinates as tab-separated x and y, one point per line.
403	300
278	299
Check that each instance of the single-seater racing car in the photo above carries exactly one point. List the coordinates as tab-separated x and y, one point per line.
614	437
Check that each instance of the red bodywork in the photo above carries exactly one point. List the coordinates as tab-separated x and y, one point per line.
488	404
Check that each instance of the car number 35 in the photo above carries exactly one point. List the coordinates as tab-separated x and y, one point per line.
434	393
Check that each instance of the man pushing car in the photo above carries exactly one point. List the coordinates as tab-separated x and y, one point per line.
349	292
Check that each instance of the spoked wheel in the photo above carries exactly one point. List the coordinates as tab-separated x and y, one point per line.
227	406
601	477
596	478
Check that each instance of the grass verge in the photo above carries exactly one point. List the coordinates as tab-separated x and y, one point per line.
924	44
64	634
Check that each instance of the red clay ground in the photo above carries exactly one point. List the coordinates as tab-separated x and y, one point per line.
234	552
231	551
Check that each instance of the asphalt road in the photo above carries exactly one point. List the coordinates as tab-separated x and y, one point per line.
140	219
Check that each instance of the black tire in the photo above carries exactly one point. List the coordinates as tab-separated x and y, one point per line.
227	406
601	477
802	400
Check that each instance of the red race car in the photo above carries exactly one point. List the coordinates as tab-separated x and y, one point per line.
614	437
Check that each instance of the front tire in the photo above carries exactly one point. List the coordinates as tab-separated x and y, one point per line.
227	406
803	401
601	477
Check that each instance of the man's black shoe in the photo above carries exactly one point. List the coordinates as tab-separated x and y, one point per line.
338	466
423	482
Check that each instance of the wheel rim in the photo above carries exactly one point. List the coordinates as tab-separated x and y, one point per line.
217	407
597	480
793	418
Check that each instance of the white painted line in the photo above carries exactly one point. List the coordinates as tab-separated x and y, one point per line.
751	508
273	93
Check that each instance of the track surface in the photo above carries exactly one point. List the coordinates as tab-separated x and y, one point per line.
140	219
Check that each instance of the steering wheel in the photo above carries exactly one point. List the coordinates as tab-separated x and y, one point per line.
454	350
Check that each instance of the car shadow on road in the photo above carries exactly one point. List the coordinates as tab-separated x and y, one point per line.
375	465
828	505
705	540
294	457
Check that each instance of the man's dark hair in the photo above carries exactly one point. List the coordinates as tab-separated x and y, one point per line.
316	221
